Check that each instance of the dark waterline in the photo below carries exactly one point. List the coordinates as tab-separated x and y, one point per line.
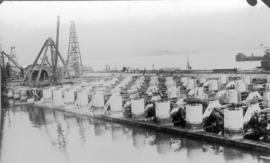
31	135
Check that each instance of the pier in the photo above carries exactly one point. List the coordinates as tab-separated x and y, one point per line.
63	98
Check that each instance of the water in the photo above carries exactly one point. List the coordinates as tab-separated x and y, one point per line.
32	135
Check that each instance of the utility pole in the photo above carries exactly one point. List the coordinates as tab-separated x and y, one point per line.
0	85
188	65
56	50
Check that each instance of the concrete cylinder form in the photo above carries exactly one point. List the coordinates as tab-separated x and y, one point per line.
98	99
213	85
266	98
194	116
169	78
191	84
16	94
184	79
116	102
137	108
268	79
202	80
23	95
82	98
77	87
241	86
66	87
170	82
47	95
10	102
232	96
173	92
30	100
10	93
69	97
233	123
163	110
223	79
267	86
247	79
58	97
116	90
152	89
153	82
199	92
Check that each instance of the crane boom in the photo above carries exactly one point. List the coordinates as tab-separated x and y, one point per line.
12	60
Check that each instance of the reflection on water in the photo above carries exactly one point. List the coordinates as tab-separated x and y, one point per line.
117	132
163	143
138	137
99	127
35	135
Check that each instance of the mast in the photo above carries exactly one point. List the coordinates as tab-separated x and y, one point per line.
56	49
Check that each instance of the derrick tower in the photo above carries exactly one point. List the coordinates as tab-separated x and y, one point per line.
74	60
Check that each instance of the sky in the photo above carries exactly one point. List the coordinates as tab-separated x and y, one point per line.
141	33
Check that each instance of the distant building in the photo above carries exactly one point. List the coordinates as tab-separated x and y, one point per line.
88	69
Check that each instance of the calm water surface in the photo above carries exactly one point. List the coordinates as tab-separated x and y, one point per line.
32	135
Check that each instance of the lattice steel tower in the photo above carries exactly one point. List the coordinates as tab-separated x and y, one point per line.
74	59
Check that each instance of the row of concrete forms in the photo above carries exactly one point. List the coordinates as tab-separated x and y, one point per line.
228	105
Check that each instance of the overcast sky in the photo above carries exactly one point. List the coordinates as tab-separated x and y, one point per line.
141	33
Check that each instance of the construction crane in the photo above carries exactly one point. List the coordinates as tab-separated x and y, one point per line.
265	59
11	68
10	59
47	68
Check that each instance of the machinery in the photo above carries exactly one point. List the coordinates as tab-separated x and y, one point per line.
44	70
265	60
13	69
